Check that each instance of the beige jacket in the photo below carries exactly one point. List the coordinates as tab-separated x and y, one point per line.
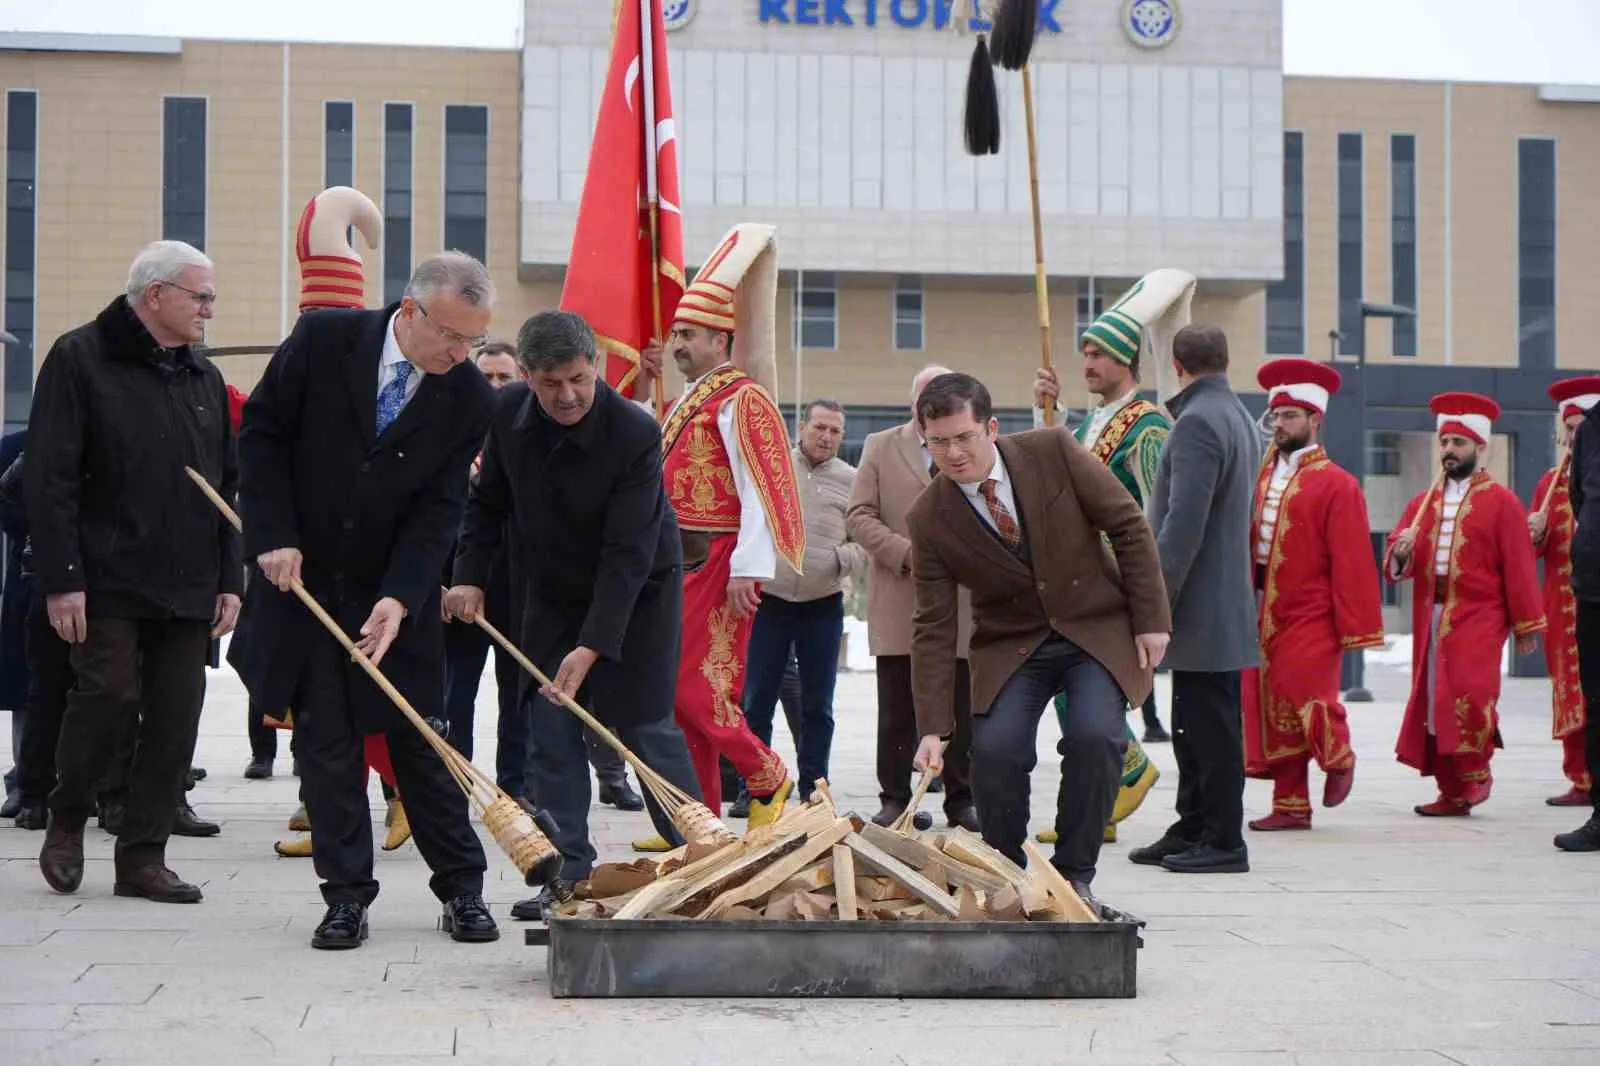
830	558
893	474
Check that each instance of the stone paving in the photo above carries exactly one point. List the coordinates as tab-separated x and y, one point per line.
1379	938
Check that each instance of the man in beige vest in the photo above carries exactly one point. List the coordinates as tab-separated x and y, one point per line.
895	468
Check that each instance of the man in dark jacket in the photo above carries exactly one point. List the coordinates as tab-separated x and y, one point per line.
1201	508
137	570
354	454
574	471
1584	486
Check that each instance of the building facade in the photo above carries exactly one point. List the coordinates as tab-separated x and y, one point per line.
1162	142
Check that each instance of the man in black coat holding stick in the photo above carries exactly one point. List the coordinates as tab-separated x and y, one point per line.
353	456
576	469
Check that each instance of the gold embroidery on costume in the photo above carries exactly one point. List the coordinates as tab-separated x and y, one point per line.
721	667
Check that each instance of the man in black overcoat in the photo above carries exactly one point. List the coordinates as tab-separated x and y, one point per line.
354	454
576	470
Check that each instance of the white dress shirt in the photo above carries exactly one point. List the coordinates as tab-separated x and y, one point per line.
389	366
1002	492
755	556
1281	473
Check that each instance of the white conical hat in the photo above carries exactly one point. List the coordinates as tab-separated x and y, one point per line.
736	291
1147	317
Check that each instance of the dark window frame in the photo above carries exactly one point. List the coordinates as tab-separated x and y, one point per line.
21	251
818	312
464	217
1403	240
398	198
185	186
1286	299
1537	246
1350	244
902	317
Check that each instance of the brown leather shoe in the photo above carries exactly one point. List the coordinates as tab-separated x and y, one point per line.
154	881
61	858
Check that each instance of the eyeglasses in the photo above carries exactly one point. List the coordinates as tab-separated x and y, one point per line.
451	335
204	299
965	440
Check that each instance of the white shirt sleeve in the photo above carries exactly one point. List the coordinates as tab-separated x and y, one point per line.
756	555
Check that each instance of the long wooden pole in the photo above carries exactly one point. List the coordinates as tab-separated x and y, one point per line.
1041	286
647	60
1550	493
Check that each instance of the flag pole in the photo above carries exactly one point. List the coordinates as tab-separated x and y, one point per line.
647	58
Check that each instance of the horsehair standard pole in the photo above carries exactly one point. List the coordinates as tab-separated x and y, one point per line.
647	59
511	826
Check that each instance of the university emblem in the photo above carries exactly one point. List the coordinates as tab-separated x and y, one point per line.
676	14
1151	23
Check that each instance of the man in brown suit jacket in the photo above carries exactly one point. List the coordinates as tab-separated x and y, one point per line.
1025	523
894	469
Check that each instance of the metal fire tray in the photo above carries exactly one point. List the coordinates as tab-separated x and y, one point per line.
672	957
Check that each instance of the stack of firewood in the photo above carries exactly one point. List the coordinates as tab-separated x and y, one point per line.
814	864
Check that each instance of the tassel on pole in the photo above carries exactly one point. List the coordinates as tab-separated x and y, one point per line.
982	114
1016	24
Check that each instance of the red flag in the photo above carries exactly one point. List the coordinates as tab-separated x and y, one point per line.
632	161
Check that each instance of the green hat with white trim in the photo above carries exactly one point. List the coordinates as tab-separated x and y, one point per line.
1117	334
1147	317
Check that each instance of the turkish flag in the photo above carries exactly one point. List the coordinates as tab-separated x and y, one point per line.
612	265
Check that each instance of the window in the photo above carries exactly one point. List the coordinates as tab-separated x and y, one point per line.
466	179
1388	591
22	146
1351	275
1536	254
1383	454
1403	237
1089	309
1286	299
396	200
183	170
338	143
816	310
908	314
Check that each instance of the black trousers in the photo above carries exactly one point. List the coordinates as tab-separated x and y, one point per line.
897	736
333	781
1151	719
132	670
1005	746
1208	741
263	738
1589	677
49	680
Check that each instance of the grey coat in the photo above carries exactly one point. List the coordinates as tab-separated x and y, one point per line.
1200	510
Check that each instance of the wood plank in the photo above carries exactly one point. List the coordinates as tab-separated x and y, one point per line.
810	851
917	854
844	882
965	847
892	867
669	893
693	897
1060	887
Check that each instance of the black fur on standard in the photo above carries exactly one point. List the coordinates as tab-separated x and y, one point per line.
982	116
1016	23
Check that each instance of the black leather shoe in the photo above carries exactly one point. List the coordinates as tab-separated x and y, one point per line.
741	805
344	926
259	769
1154	734
537	908
12	805
1152	854
966	817
1584	838
621	796
61	858
33	816
888	814
110	819
1208	859
937	784
197	772
468	921
189	824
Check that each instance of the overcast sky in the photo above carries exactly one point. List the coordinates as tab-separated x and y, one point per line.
1463	40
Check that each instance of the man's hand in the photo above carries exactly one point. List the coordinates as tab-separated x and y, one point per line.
225	615
1046	388
282	566
464	602
380	629
1404	545
930	754
68	614
650	362
1152	648
570	675
1528	645
1538	526
744	596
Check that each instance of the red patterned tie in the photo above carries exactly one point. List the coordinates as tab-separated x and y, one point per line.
1003	521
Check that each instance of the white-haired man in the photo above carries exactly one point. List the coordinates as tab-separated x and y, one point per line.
895	467
354	453
137	570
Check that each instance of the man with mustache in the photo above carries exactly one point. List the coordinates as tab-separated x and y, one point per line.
731	481
1317	589
1472	564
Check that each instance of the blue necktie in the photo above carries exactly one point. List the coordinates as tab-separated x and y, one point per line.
393	395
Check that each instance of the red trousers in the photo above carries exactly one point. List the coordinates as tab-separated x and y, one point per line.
1328	737
1461	778
1572	761
711	684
